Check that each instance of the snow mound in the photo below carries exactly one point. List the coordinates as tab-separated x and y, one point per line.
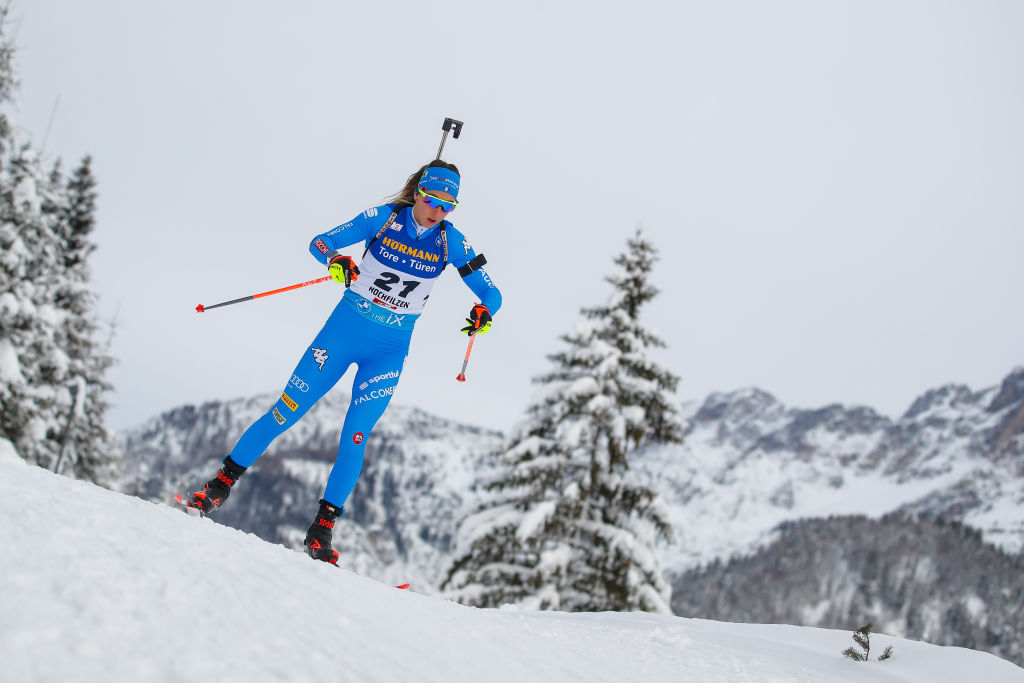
100	586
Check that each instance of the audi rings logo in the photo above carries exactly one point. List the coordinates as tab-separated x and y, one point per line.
297	382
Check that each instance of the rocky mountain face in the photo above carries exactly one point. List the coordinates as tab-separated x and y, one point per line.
749	468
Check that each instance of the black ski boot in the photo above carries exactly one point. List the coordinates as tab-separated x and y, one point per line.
320	532
216	491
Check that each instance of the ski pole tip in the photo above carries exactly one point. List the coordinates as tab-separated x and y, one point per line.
461	377
200	309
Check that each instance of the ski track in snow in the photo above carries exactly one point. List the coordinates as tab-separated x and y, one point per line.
96	585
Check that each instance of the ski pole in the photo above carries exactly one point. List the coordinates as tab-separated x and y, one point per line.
201	308
447	126
469	350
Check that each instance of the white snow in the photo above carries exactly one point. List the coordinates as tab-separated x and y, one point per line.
534	519
10	368
7	452
95	585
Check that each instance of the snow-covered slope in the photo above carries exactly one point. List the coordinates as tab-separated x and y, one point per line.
96	585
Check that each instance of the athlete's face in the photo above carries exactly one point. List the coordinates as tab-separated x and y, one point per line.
429	216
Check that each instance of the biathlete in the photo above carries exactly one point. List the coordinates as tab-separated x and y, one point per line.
408	243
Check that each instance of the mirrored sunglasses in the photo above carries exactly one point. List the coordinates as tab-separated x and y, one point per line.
431	200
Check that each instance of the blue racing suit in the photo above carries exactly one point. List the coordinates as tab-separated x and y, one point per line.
371	326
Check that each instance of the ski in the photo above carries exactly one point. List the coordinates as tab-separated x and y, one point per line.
190	509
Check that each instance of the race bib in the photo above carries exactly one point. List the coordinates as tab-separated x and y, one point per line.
399	275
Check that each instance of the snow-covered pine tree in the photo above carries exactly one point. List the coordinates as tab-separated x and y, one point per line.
27	315
45	317
31	364
567	528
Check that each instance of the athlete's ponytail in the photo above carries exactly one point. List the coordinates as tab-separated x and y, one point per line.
408	193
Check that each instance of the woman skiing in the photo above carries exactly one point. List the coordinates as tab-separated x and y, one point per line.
408	243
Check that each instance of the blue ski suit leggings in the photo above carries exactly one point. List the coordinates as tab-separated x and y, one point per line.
346	338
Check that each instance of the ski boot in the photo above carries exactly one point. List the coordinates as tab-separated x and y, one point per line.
216	491
320	532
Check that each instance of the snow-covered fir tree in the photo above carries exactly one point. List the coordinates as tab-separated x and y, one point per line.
567	528
51	370
31	364
86	443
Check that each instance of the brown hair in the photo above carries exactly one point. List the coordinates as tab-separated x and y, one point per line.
407	195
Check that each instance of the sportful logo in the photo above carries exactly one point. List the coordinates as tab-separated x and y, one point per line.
380	378
296	382
320	357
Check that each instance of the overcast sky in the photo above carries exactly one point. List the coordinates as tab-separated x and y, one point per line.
835	187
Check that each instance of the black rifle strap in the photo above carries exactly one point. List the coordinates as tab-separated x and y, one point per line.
384	229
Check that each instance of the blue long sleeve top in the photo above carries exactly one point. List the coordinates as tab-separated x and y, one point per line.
399	268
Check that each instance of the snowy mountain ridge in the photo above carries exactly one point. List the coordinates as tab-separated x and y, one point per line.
119	589
749	463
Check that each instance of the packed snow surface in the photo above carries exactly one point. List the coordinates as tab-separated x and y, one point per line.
95	585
